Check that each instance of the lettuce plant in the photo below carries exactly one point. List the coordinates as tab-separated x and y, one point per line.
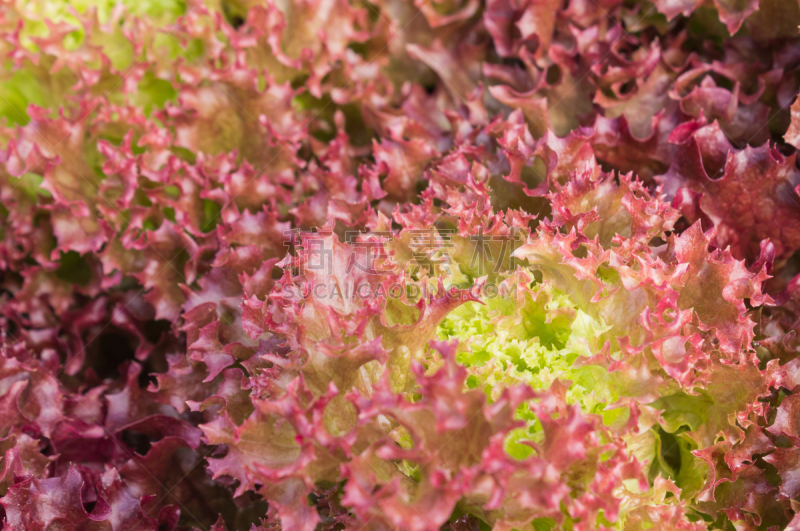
399	264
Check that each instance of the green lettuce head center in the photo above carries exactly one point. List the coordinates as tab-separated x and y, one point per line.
534	341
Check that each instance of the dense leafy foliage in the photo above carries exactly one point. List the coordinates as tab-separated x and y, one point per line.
399	264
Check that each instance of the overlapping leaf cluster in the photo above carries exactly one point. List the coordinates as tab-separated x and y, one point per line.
622	174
